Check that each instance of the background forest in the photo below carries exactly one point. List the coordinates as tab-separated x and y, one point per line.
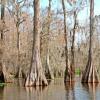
17	34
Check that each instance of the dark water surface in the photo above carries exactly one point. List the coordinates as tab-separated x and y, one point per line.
55	91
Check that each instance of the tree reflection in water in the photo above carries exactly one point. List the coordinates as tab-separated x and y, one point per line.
91	88
35	92
55	91
70	93
1	92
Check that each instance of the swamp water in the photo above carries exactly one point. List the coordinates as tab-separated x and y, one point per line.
55	91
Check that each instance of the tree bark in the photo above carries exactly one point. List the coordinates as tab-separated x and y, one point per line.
67	75
90	74
50	74
2	79
19	71
2	15
72	65
36	76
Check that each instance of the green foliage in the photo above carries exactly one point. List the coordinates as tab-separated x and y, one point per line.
2	84
77	71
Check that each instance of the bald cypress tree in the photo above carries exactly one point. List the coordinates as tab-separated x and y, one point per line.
49	71
90	74
67	75
36	74
1	40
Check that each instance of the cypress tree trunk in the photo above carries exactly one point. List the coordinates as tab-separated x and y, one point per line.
36	76
90	74
19	71
50	74
72	65
67	75
2	79
1	41
2	15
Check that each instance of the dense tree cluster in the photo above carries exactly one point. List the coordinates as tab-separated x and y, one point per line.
42	43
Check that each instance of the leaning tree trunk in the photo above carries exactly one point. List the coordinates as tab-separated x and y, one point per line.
50	74
36	74
72	65
67	75
90	74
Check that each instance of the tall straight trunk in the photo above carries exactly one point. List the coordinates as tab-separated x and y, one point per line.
1	42
36	74
19	71
67	75
2	15
50	74
72	65
90	74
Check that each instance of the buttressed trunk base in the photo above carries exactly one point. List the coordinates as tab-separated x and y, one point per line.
90	74
36	77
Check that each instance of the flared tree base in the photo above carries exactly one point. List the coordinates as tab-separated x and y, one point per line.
36	75
34	80
69	76
90	75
